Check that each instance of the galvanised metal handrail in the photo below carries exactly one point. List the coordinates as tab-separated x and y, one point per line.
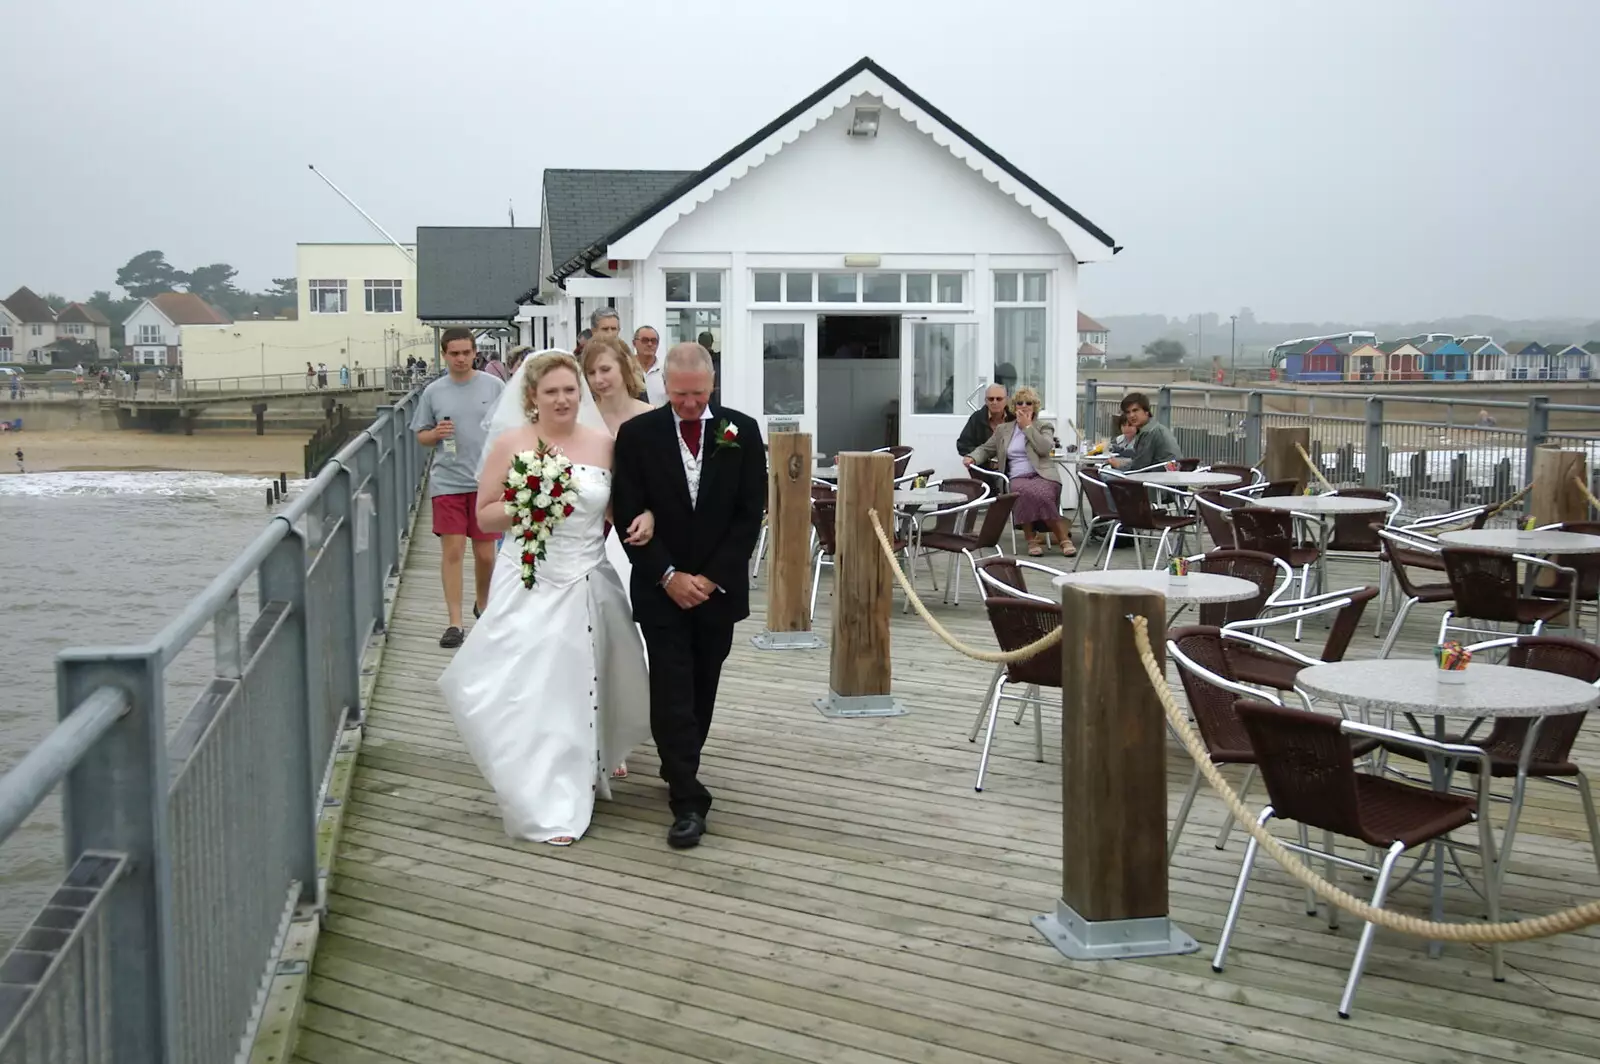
1429	464
188	855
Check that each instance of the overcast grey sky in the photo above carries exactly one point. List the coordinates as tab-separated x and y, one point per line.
1366	159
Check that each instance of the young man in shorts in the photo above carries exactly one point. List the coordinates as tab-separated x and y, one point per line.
450	418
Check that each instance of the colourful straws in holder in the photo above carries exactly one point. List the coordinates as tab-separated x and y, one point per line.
1452	659
1178	570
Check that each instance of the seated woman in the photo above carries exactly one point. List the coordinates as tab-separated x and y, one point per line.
1121	445
1024	445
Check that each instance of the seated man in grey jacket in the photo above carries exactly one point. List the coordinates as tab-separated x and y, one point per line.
1153	442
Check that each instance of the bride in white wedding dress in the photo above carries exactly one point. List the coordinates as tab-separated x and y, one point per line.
550	688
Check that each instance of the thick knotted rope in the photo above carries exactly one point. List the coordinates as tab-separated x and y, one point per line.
1507	931
1586	492
1327	485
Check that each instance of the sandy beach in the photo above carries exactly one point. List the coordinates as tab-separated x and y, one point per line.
212	451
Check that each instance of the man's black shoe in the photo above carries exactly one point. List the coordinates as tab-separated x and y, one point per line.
452	638
686	831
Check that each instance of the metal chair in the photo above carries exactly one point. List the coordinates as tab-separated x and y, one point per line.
1264	663
1099	513
1018	622
1215	509
953	518
1587	566
824	519
996	514
1402	552
1273	532
1307	761
999	484
1138	520
1271	575
1486	588
1247	474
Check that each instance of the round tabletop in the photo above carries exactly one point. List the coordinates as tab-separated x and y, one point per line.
1177	478
927	497
1199	588
1322	504
1397	685
1511	541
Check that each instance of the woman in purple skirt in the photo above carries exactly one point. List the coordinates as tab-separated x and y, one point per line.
1025	445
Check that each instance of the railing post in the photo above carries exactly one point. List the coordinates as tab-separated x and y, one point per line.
1114	898
1252	429
1538	432
115	800
282	582
387	493
1091	404
1373	474
343	569
1164	405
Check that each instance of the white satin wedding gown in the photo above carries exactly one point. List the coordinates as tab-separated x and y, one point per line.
549	691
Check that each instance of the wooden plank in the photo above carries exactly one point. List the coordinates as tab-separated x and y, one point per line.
1281	459
1555	496
789	532
859	663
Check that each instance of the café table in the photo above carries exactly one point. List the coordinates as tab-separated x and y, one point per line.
1196	589
1324	508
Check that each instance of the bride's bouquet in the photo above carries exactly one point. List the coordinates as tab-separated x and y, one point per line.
538	496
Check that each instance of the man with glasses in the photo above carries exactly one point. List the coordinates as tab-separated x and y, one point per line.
981	425
646	346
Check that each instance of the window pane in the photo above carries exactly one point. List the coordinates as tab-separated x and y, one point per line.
1033	287
708	288
800	288
703	327
677	287
1019	343
768	287
949	288
1005	288
944	365
880	287
783	353
836	288
919	288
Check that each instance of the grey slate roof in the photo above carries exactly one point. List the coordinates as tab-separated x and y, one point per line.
474	273
582	206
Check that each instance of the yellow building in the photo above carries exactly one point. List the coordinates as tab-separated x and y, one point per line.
357	308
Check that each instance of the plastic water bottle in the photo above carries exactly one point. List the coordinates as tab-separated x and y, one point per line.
448	446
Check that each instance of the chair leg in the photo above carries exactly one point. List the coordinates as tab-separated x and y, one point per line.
816	581
1588	813
1508	837
1183	813
988	738
1330	869
983	707
1227	825
1238	895
1138	551
1394	629
1367	932
1311	895
761	552
1038	726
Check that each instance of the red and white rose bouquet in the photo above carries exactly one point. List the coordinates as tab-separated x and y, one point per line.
538	496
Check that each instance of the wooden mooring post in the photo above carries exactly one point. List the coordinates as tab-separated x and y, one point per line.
1283	462
858	675
1113	900
788	545
1555	496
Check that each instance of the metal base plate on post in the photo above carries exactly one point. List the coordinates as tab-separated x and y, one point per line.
836	705
1103	940
787	641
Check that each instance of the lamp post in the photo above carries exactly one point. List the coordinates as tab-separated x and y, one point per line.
1233	344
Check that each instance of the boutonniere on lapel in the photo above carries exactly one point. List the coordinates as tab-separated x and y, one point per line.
727	435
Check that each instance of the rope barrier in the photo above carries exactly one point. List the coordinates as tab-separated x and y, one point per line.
1326	483
1558	923
1586	492
993	657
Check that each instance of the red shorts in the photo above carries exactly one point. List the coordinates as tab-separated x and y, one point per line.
457	515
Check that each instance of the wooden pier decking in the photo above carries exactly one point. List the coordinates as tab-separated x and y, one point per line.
856	902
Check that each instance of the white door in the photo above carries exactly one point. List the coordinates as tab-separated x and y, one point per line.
788	380
943	374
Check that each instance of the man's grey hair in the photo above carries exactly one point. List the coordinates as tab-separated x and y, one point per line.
602	314
690	356
642	328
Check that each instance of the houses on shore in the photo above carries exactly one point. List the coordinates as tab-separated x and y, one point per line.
1434	357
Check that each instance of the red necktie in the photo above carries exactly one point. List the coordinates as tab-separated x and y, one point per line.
690	431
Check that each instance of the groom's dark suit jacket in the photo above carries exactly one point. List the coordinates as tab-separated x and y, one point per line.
713	539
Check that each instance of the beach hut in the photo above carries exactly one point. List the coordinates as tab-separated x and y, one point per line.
1405	360
1567	362
1365	363
1526	361
1486	359
1444	360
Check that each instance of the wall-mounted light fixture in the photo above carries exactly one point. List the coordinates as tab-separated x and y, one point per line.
865	122
863	262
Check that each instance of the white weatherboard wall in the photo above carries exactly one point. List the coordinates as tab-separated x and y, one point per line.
899	195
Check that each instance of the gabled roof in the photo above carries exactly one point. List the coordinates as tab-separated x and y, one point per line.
29	308
1592	346
1524	347
474	273
582	206
186	308
1088	324
1389	347
1088	350
863	77
1368	350
82	313
1428	347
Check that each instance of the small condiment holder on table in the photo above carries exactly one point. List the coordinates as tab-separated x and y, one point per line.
1452	659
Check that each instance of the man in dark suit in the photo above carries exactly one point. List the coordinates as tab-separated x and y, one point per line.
701	469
